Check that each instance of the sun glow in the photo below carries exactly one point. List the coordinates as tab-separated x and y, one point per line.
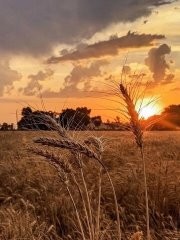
147	108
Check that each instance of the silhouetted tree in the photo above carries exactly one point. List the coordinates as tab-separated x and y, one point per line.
172	114
34	120
5	127
168	120
97	121
26	111
75	119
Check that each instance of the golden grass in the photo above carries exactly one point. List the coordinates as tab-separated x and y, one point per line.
35	205
91	148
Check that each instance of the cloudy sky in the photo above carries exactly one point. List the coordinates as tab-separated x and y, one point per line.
70	52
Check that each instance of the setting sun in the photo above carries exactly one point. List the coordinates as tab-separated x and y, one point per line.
148	109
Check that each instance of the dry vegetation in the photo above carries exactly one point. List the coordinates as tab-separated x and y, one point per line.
34	203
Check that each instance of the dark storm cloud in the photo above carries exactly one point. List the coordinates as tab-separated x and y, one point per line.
110	47
80	75
35	84
159	3
158	65
35	26
7	76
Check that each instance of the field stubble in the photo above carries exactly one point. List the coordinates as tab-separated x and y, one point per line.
34	204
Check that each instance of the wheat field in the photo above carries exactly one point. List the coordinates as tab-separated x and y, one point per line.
35	205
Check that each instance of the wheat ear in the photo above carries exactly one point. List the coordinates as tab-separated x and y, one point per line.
68	144
134	116
53	125
136	128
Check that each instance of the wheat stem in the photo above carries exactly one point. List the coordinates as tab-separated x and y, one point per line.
84	206
88	202
77	213
99	204
115	199
146	193
116	206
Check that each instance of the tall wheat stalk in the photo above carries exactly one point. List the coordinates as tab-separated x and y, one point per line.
136	128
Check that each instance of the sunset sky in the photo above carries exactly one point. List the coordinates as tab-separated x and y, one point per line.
70	51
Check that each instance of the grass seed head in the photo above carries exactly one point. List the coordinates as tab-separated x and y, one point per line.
133	115
68	144
53	158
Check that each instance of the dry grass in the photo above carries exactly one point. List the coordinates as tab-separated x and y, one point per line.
34	203
91	148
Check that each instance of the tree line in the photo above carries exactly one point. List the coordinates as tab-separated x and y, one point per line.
72	119
80	119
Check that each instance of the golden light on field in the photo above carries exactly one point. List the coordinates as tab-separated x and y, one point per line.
147	108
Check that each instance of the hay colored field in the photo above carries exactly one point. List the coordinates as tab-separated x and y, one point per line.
34	204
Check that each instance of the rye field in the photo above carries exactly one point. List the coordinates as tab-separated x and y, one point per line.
38	202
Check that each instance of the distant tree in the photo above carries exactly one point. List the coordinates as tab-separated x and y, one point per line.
117	119
168	120
97	121
75	119
11	126
5	126
175	109
34	119
83	110
172	114
26	121
26	111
